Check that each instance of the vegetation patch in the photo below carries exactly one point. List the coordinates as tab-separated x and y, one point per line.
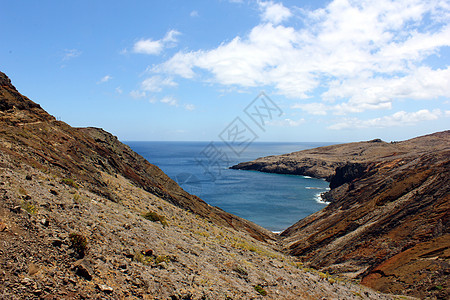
70	182
143	259
149	260
29	208
155	217
245	246
78	244
162	258
260	290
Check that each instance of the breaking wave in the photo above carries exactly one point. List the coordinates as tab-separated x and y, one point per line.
319	199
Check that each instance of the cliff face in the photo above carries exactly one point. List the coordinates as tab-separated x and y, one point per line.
84	217
322	162
388	218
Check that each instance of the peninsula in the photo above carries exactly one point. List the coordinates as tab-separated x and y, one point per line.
387	223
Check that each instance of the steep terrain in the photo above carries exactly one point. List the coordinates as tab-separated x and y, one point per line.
84	217
388	218
31	135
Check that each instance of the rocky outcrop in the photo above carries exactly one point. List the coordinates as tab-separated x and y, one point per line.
346	174
388	218
322	162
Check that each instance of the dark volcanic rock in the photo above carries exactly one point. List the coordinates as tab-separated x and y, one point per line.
346	174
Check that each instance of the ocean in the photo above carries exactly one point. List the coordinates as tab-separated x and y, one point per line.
272	201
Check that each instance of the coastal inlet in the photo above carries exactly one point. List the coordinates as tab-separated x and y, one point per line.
272	201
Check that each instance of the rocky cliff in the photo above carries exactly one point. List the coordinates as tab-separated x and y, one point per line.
388	218
84	217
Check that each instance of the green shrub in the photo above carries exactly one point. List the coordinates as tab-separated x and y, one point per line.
260	290
29	207
70	182
78	244
162	258
155	217
143	259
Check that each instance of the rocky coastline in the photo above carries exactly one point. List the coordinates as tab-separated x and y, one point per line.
387	223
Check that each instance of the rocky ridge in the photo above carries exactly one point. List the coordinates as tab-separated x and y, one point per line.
388	218
84	217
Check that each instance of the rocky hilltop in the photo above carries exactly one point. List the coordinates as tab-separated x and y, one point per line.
84	217
388	218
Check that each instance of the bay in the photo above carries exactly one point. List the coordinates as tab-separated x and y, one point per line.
273	201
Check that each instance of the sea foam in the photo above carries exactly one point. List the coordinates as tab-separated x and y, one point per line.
319	199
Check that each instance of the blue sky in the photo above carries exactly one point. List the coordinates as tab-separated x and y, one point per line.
184	70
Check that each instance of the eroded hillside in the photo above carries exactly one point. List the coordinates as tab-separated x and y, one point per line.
388	218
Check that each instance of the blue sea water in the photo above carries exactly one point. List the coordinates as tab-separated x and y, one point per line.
273	201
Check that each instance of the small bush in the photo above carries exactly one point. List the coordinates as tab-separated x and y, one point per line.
162	258
78	244
30	208
143	259
70	182
154	217
260	290
245	246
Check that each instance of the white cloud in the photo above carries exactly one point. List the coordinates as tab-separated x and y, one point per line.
157	83
274	13
400	118
359	55
151	47
71	53
169	100
119	90
319	109
422	83
137	94
148	46
194	13
171	37
105	78
287	122
189	107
